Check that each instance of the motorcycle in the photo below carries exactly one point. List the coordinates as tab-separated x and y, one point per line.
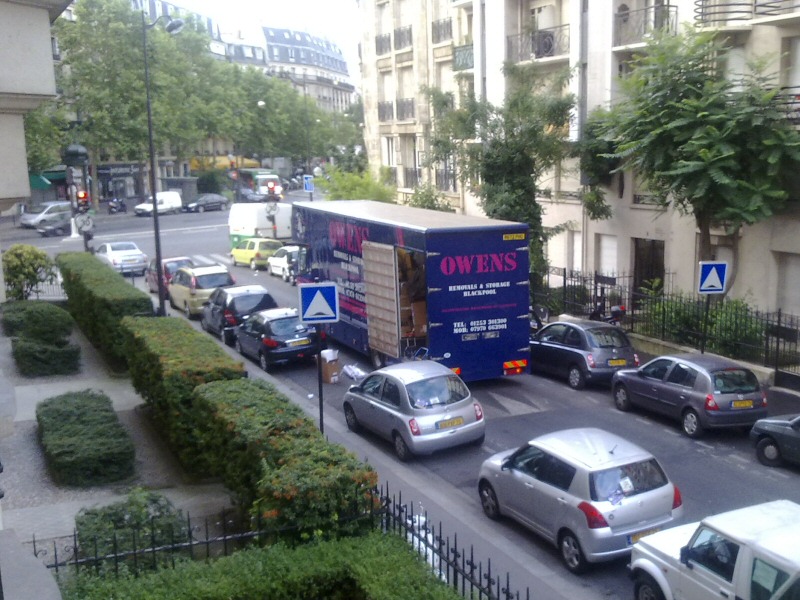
617	313
117	206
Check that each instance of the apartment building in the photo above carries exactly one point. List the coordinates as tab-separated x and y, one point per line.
596	39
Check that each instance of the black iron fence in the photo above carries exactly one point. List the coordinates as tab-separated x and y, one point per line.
463	57
541	43
385	111
442	30
633	26
402	37
405	109
456	566
383	44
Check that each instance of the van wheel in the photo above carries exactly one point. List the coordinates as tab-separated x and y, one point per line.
645	588
253	266
285	275
187	311
571	553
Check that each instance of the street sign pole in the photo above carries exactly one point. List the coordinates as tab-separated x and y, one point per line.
319	376
712	280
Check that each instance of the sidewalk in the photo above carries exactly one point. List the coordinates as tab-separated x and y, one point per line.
33	505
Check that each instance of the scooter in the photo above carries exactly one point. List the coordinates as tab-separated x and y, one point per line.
617	313
117	206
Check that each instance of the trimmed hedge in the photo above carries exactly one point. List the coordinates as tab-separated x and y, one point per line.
276	461
167	359
84	443
373	567
98	298
39	320
36	359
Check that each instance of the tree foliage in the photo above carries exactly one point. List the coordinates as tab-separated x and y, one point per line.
504	151
426	196
341	185
24	268
709	143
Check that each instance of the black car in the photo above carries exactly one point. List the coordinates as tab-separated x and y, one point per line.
227	307
206	202
248	195
777	440
275	336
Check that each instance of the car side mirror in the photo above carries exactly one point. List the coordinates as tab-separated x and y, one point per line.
685	555
505	465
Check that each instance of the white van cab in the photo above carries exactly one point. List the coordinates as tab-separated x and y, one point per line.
259	219
168	203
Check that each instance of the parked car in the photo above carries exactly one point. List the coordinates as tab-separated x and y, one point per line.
589	492
702	391
47	212
206	202
59	225
284	262
168	202
582	351
248	195
777	439
276	336
420	406
255	252
124	257
190	287
168	268
227	308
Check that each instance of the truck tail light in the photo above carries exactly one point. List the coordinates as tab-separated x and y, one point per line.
229	317
677	501
269	342
515	367
590	361
414	427
594	518
478	411
710	403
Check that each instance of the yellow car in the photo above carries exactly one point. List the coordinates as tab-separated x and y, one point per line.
254	252
190	287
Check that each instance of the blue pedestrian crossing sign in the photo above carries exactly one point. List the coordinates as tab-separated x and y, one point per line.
319	303
713	276
308	183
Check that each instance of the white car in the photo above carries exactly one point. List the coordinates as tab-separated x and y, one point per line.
168	202
283	262
124	257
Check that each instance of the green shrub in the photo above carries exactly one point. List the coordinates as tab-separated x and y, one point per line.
342	185
374	567
37	319
24	268
36	359
84	443
143	519
427	196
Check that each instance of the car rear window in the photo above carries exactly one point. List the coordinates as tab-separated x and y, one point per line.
608	337
250	303
123	246
734	381
213	280
614	484
437	391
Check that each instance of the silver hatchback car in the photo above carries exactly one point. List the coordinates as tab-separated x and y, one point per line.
702	391
591	493
420	406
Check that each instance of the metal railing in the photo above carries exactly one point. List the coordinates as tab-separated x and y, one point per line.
538	44
776	8
446	180
463	57
402	37
405	109
789	98
411	177
386	111
383	44
459	568
722	12
631	27
442	30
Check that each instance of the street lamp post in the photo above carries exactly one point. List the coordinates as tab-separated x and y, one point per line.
173	26
305	108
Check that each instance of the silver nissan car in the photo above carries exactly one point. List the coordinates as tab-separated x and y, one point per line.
591	493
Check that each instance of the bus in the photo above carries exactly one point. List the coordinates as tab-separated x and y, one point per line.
261	181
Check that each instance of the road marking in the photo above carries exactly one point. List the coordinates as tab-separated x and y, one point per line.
511	406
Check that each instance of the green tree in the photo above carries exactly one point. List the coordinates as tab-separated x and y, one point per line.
708	143
24	268
503	151
342	185
45	136
426	196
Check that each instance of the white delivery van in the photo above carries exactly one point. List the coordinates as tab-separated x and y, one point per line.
259	219
168	203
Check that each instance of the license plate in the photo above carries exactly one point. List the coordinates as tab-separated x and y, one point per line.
617	362
742	404
632	539
455	422
302	342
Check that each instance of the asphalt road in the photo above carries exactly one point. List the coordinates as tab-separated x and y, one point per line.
716	473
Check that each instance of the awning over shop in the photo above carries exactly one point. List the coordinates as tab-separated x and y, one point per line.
56	174
39	183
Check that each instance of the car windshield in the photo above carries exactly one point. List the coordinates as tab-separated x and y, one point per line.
123	246
437	391
614	484
250	303
734	381
287	326
213	280
607	337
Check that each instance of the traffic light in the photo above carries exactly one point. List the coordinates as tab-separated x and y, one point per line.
83	201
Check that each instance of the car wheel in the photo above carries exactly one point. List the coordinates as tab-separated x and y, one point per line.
645	588
171	302
621	398
187	311
691	424
575	378
204	324
768	453
223	206
489	503
253	265
227	337
201	209
237	345
352	421
401	448
263	361
59	231
571	553
285	275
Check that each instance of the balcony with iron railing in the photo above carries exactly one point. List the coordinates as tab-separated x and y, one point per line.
777	8
411	177
538	44
405	109
402	37
446	180
385	111
789	99
463	57
718	13
632	27
442	30
383	44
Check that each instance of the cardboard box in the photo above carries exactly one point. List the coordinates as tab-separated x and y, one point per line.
330	366
419	314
